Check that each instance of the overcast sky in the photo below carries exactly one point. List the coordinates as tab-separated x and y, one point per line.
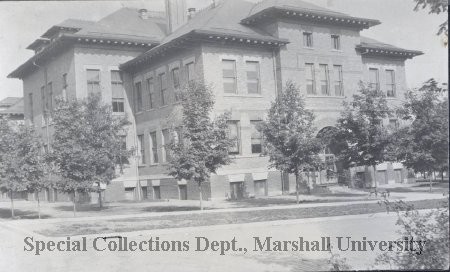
22	22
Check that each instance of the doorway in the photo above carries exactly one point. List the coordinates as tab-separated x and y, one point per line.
260	187
183	192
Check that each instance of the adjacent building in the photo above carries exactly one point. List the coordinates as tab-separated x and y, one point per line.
139	60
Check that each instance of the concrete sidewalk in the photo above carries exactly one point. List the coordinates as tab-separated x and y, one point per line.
394	196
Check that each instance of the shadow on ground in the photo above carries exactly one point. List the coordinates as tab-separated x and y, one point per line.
84	208
172	208
20	214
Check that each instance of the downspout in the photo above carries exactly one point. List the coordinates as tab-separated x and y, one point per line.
135	138
275	71
44	112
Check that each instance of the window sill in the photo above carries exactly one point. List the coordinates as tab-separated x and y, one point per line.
118	113
243	95
325	96
142	165
247	156
337	50
308	48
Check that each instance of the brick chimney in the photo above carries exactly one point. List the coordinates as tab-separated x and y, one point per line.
176	14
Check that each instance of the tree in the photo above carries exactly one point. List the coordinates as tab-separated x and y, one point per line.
202	144
22	161
86	145
360	127
289	135
430	226
423	145
435	7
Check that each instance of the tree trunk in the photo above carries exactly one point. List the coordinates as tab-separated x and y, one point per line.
99	197
74	204
375	175
201	196
38	206
431	183
12	203
442	176
297	188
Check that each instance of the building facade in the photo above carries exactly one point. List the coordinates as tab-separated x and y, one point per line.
246	52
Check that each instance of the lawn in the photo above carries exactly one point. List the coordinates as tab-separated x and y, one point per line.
219	218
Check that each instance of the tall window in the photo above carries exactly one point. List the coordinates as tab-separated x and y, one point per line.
307	39
163	88
190	73
323	77
374	79
138	96
118	97
310	80
43	103
50	97
30	103
336	42
151	92
253	85
338	81
229	76
64	86
390	83
166	141
154	147
93	81
256	137
141	148
176	82
233	134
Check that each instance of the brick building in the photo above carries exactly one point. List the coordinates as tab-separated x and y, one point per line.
246	51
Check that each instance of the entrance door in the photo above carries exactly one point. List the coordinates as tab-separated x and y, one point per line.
237	190
129	194
260	187
382	177
398	175
144	192
183	192
156	192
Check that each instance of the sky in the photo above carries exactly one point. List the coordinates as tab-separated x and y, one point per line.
23	22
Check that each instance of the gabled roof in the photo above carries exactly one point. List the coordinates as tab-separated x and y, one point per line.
73	24
125	23
121	28
37	43
15	106
9	101
370	46
297	9
221	22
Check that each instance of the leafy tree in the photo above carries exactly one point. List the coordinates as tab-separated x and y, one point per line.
289	135
360	128
423	145
435	7
430	226
22	161
202	144
86	145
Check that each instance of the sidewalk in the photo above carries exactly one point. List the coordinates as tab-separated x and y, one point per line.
217	209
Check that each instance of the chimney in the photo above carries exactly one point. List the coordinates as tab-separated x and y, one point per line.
176	14
143	13
191	13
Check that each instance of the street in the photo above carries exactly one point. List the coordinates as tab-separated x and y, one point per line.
379	227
